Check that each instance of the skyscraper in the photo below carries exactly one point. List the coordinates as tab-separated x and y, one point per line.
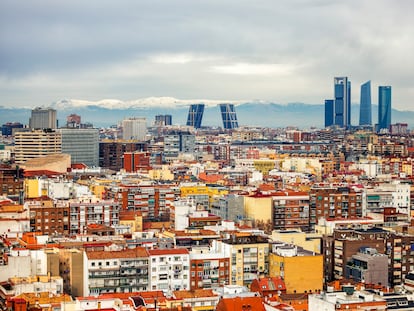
365	104
195	115
228	115
384	107
43	118
342	108
329	112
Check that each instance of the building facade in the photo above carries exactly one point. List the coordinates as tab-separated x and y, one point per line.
365	113
195	115
229	117
43	118
117	271
82	145
342	109
169	269
38	143
134	128
384	108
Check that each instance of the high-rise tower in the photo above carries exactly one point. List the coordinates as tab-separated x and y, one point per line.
43	118
384	107
342	108
365	104
329	112
195	115
228	115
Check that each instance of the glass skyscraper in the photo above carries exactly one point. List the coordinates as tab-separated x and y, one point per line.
195	115
228	115
329	112
384	107
365	104
342	107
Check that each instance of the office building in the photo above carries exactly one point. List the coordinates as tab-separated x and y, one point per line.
43	118
195	115
7	129
384	108
329	112
229	117
163	120
134	128
81	144
365	104
38	143
342	107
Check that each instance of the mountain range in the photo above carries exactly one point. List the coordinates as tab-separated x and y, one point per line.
109	112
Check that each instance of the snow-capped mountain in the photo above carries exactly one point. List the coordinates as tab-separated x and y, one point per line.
142	103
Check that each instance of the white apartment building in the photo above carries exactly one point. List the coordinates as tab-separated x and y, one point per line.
169	269
116	271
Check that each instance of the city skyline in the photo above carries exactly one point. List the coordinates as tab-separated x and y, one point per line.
284	52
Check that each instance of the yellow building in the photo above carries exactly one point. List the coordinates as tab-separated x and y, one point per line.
133	221
308	241
248	257
161	174
264	166
258	207
202	192
32	188
302	271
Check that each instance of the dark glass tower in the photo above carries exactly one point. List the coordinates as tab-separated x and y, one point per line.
329	112
342	107
384	107
195	115
163	119
228	114
365	104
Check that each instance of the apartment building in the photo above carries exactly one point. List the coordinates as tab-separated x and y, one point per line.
291	210
36	143
208	269
117	271
249	256
169	269
48	216
335	201
90	210
292	263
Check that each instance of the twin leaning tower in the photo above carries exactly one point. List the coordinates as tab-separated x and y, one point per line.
228	115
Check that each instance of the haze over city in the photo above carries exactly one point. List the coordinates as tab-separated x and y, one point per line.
284	51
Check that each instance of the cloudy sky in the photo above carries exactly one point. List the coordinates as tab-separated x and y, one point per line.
279	51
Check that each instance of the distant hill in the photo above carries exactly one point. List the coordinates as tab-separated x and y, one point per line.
110	112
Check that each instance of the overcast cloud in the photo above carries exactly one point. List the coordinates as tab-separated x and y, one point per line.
280	51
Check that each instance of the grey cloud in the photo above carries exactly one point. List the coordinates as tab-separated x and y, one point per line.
109	48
